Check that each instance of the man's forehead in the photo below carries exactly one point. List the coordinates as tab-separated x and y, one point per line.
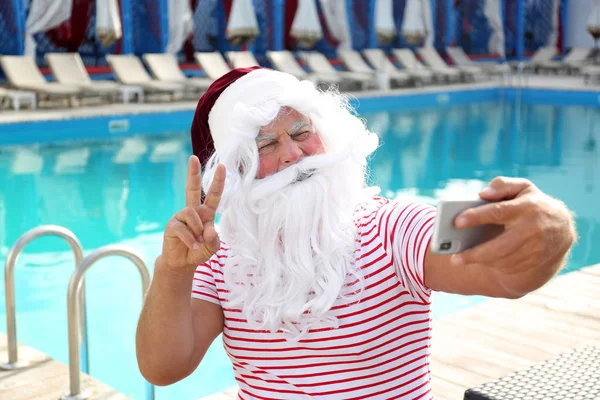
288	119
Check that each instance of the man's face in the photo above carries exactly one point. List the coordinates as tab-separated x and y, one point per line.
285	141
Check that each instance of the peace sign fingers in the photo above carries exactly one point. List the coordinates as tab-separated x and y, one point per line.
213	197
190	236
193	188
209	209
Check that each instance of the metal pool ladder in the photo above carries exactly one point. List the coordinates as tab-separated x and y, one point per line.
9	284
73	310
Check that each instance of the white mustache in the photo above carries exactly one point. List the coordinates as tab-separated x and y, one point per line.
298	172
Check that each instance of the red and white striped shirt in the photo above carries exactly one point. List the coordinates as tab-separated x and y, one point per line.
382	345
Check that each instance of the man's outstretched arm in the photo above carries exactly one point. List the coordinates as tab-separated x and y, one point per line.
539	232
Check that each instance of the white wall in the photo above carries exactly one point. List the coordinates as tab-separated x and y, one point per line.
578	14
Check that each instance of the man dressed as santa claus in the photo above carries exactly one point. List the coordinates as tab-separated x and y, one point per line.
320	288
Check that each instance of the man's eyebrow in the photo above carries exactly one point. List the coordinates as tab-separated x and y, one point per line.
266	136
297	126
293	130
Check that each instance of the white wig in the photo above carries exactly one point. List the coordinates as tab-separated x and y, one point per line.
292	243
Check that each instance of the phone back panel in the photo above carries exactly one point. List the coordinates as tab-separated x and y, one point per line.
448	239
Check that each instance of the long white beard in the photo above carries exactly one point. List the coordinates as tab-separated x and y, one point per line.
293	239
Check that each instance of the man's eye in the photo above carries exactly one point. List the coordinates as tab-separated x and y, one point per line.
266	147
301	135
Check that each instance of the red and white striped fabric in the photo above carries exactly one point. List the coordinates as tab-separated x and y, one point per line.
382	346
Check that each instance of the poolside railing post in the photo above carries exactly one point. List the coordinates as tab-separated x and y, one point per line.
520	29
350	15
372	31
19	14
432	8
503	19
449	37
221	27
163	12
564	13
150	391
127	26
278	10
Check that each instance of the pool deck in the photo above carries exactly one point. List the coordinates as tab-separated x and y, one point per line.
504	336
562	82
493	339
45	379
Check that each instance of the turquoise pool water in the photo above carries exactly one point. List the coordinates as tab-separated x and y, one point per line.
124	190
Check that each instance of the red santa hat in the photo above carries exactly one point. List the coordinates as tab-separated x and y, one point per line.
212	124
202	141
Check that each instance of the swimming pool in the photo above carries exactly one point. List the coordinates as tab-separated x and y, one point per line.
125	189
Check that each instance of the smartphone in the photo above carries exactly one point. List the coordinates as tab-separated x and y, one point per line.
448	239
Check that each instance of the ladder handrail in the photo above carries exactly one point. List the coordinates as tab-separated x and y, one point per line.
9	285
75	285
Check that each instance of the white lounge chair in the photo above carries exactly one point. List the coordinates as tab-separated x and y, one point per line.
354	62
68	68
241	59
571	63
432	59
4	99
319	64
410	63
461	59
285	61
379	60
17	98
23	74
213	64
590	73
129	70
165	68
542	55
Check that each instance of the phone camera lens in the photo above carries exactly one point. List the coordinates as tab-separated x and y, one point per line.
445	246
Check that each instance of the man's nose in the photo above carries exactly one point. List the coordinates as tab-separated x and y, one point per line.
290	152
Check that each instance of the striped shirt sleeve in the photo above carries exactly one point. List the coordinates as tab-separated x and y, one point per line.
406	230
204	286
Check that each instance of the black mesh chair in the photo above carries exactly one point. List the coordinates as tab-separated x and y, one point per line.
570	376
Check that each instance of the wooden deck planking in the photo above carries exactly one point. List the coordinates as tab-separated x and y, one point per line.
500	336
46	379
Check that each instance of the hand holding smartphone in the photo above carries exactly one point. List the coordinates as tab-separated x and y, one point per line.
448	239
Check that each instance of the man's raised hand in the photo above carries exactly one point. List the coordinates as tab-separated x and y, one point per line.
190	237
